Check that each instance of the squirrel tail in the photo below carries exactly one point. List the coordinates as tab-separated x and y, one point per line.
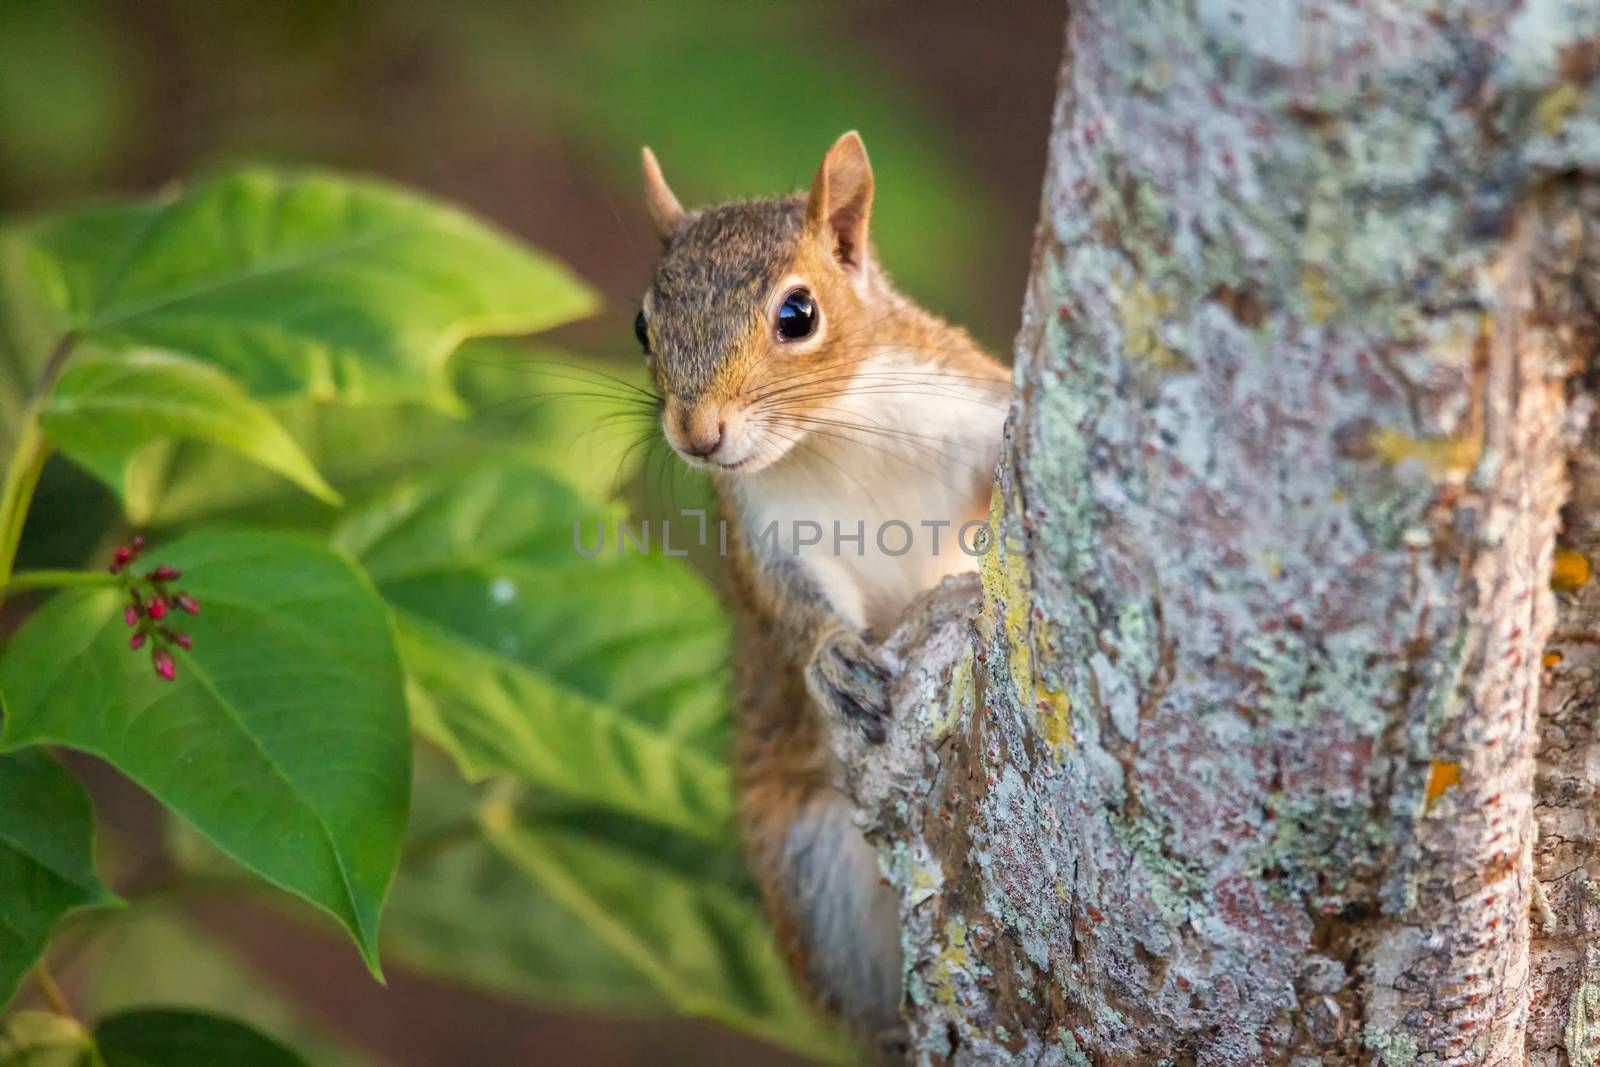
837	920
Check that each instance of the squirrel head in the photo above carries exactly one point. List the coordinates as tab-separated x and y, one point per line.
757	311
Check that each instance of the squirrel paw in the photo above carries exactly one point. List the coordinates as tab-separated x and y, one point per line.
847	679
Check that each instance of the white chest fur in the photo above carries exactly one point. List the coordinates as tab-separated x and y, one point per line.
873	500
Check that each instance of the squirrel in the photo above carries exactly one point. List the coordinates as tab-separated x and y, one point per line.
820	399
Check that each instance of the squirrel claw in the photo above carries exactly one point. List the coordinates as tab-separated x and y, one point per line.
847	679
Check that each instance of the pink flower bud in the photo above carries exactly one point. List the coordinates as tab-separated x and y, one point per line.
165	573
124	554
157	609
183	641
130	615
137	544
136	642
163	662
188	603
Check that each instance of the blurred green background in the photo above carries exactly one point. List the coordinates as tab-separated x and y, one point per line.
529	115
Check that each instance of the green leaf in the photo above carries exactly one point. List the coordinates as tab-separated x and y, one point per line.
294	283
461	912
103	411
169	1038
598	678
581	431
155	954
497	717
46	859
141	1038
284	738
41	1039
679	910
467	915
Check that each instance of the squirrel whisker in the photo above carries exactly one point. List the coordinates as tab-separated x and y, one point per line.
833	394
575	373
910	437
805	446
810	428
847	383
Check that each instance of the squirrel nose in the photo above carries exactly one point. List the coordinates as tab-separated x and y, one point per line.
706	443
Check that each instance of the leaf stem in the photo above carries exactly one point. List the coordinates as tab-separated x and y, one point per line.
53	995
22	477
59	1006
23	581
27	462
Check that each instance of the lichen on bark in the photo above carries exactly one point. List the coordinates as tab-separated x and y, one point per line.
1564	1017
1236	764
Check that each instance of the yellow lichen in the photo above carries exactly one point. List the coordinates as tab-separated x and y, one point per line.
1320	304
1055	719
1441	456
1020	647
992	568
1142	312
1557	106
1441	777
1006	581
955	949
925	877
1273	562
953	959
1052	703
1569	570
1007	584
961	695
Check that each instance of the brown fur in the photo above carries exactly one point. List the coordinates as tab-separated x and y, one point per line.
718	363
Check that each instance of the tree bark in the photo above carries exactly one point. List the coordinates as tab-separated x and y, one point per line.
1245	759
1564	1024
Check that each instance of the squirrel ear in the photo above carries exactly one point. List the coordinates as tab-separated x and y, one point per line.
665	211
841	199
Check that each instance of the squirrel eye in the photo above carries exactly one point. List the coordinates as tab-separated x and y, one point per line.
797	316
641	333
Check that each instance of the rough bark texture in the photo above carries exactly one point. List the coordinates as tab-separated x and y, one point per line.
1238	764
1564	1024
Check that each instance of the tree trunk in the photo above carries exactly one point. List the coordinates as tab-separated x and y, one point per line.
1246	760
